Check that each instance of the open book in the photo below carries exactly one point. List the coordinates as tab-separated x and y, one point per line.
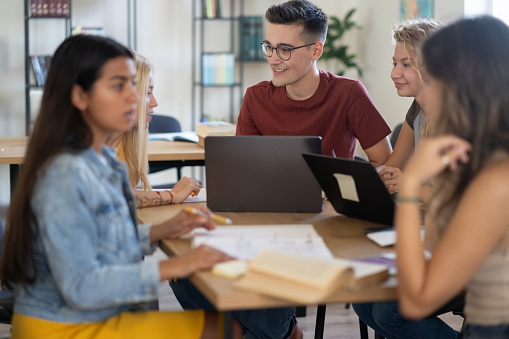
306	280
178	136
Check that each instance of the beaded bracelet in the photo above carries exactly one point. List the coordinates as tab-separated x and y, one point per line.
171	195
160	198
402	199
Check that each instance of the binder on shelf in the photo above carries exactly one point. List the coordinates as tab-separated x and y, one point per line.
251	34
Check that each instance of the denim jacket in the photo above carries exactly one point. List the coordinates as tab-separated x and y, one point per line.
89	249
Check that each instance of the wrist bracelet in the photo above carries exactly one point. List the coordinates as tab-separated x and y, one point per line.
402	199
160	198
171	195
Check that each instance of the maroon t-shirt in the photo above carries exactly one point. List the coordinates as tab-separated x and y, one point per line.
340	111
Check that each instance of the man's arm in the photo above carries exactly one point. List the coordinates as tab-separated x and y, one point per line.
380	152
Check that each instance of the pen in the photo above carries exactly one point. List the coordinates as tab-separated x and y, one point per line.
214	217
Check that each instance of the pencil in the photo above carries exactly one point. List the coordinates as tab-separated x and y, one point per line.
214	217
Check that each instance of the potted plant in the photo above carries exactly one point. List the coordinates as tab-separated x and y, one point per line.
334	49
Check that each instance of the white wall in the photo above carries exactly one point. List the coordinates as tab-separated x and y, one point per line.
164	36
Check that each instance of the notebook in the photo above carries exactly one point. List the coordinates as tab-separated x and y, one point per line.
353	187
261	174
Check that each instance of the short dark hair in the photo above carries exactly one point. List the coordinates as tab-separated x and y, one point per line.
301	12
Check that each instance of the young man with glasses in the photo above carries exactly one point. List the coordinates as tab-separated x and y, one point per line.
303	100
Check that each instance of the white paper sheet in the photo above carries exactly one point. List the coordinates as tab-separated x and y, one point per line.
246	242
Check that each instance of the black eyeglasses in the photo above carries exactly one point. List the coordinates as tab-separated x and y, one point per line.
283	52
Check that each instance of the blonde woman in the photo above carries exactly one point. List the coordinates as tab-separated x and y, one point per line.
385	317
132	146
406	75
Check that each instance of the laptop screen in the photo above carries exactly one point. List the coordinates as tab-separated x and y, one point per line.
261	174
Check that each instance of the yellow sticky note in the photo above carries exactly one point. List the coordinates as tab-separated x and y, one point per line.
230	269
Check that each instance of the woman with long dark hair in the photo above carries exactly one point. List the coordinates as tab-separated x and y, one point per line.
467	103
73	248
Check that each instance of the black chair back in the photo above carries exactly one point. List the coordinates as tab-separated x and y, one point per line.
163	124
395	134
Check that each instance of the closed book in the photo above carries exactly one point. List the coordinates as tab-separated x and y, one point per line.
305	280
214	127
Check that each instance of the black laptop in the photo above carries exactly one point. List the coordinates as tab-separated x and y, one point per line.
353	187
261	174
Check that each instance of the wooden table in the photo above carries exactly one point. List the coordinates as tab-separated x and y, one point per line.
344	236
165	153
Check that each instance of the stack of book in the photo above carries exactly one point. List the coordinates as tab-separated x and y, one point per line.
218	69
40	66
49	8
251	34
214	128
211	9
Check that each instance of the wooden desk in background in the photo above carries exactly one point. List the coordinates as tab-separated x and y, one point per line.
344	236
166	153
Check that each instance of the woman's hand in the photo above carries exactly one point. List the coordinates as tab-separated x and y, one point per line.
181	224
183	189
433	156
391	176
201	258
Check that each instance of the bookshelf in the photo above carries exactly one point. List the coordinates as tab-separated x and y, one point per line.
46	11
219	70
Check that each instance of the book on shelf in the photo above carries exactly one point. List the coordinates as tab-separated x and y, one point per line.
52	8
218	69
49	8
65	8
40	65
211	9
45	8
306	280
251	34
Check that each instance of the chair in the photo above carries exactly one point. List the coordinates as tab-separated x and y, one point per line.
6	297
395	134
164	124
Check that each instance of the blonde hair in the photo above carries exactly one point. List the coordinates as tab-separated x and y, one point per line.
411	34
133	144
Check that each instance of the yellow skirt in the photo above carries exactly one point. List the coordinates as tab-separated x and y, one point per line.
126	325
